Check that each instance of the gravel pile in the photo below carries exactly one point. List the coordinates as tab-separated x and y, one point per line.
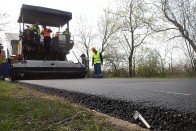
160	119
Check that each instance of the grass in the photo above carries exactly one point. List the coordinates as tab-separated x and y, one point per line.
22	108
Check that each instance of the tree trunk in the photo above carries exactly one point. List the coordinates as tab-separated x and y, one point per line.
131	63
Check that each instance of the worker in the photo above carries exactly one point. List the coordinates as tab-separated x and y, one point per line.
47	38
36	32
84	60
67	35
66	32
97	61
2	62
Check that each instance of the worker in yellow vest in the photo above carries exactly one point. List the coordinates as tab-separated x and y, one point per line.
36	31
97	61
2	62
67	32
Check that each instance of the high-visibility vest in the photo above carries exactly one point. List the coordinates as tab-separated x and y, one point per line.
36	29
46	32
97	59
67	33
4	59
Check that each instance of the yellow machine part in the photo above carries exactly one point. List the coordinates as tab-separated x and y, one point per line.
17	56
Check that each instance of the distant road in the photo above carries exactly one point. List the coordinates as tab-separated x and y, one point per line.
179	94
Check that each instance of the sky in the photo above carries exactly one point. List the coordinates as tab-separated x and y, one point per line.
91	9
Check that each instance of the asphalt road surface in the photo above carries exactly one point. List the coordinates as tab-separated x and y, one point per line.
178	94
167	104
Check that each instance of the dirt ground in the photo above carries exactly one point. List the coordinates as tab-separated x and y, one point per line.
124	124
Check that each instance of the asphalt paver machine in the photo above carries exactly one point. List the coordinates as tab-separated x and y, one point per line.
28	57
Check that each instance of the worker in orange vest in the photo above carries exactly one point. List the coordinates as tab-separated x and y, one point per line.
2	61
47	38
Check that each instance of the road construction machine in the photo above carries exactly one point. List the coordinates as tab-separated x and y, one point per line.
29	59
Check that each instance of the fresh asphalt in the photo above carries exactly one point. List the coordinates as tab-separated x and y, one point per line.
177	94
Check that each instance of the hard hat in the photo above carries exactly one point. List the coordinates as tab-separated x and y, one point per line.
93	49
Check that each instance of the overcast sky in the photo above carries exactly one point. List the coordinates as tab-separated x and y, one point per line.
92	9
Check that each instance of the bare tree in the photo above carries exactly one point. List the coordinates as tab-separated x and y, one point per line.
114	60
84	36
133	28
190	65
3	21
177	18
180	16
107	27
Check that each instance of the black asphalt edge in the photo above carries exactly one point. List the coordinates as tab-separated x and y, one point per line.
160	119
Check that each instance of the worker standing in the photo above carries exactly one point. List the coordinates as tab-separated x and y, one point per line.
2	62
97	61
67	34
36	32
47	39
